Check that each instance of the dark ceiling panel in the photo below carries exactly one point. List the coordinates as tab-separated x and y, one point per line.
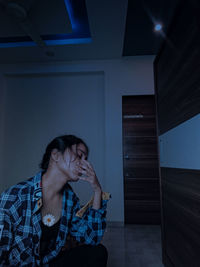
49	17
140	38
46	22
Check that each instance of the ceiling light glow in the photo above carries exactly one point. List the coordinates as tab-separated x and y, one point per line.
158	27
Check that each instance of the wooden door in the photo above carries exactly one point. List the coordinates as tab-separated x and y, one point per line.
140	160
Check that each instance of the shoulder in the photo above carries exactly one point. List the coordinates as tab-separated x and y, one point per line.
14	194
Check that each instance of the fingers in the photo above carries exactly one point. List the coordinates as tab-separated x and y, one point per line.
83	178
86	172
87	167
87	164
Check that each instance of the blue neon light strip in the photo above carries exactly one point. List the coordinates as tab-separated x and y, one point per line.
48	42
81	33
71	15
69	41
17	44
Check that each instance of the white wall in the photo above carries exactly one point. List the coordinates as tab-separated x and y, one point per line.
127	76
180	146
41	107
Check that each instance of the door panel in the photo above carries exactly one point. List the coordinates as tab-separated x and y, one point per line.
140	159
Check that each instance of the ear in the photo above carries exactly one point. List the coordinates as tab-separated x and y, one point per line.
55	155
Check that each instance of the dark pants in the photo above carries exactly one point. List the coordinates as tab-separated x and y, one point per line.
82	256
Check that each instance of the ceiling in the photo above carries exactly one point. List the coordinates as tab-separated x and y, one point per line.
108	29
142	15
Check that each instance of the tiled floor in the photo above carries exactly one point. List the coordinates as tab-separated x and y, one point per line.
133	246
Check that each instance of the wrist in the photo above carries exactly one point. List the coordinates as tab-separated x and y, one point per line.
98	190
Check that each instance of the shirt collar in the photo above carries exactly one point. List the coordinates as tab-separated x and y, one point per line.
37	194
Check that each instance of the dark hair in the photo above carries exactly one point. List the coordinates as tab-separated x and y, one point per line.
61	143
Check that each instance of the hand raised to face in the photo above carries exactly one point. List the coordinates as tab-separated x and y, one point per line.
88	174
76	166
70	161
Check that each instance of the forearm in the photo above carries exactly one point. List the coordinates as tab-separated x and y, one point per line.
97	199
88	174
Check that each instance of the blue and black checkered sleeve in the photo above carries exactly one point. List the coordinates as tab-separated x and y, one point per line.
5	236
89	229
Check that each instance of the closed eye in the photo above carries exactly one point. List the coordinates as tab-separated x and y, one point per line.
82	154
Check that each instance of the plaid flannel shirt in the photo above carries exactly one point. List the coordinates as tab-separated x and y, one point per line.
20	224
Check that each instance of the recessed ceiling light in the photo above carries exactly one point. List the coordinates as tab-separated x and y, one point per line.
158	27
